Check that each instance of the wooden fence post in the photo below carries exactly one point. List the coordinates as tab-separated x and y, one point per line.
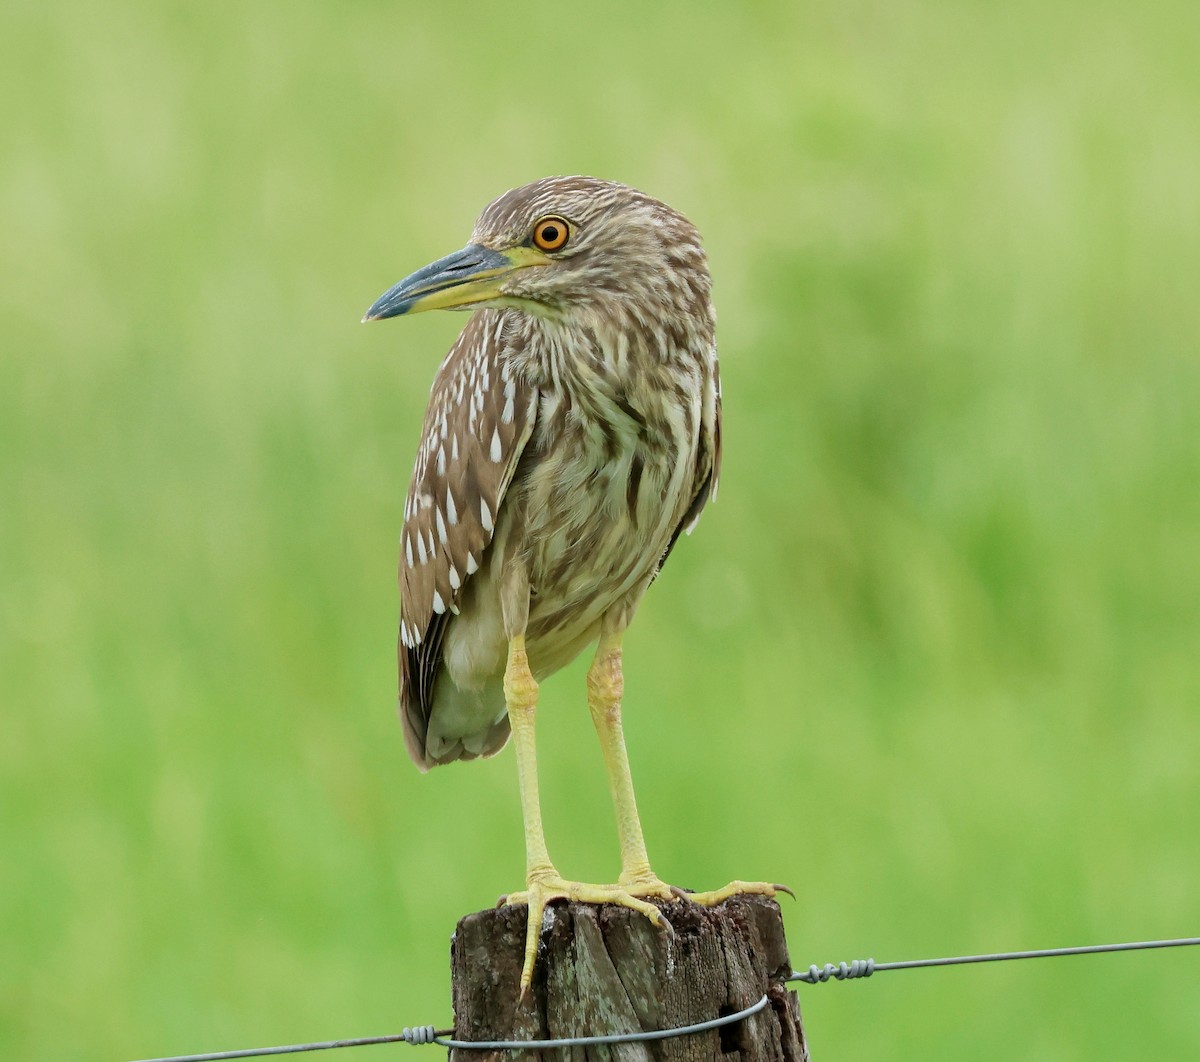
608	970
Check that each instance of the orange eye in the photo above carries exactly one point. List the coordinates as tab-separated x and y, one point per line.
551	233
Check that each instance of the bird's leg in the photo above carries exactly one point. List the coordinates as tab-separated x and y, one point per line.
520	697
606	685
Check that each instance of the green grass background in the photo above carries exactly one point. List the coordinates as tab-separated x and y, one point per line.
932	658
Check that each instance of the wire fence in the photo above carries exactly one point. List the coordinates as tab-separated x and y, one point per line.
858	969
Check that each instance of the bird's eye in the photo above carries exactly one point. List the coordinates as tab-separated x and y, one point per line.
551	234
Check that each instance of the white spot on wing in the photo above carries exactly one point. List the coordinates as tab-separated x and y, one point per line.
439	606
472	564
496	453
451	508
485	514
455	581
441	526
408	549
421	548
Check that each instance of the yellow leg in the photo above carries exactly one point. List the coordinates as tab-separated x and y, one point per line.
520	697
543	883
606	686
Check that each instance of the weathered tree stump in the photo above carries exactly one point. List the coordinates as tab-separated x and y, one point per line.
609	970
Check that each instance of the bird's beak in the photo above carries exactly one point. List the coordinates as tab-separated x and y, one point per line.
465	278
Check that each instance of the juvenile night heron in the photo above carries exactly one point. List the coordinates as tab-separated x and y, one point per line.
573	432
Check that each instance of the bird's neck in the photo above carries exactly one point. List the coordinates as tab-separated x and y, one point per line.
605	349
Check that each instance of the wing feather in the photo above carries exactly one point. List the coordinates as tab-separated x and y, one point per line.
708	459
480	416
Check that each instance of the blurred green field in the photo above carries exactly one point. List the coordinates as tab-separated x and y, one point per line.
933	658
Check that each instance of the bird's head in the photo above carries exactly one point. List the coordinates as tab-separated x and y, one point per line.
564	247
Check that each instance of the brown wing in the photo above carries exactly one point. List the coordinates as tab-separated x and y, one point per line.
708	458
479	418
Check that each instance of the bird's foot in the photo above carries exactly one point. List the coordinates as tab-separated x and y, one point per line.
543	889
734	888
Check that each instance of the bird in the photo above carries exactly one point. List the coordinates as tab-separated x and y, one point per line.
572	435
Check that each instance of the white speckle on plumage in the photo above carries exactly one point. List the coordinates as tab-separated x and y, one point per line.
421	549
426	501
455	581
441	461
454	448
507	416
496	452
472	564
451	508
485	514
441	526
408	550
429	542
439	606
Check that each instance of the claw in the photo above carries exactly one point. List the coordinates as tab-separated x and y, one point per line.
533	931
665	924
784	888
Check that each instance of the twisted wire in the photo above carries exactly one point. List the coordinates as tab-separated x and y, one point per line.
422	1034
866	967
842	971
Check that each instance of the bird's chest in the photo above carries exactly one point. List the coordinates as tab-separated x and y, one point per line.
605	488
